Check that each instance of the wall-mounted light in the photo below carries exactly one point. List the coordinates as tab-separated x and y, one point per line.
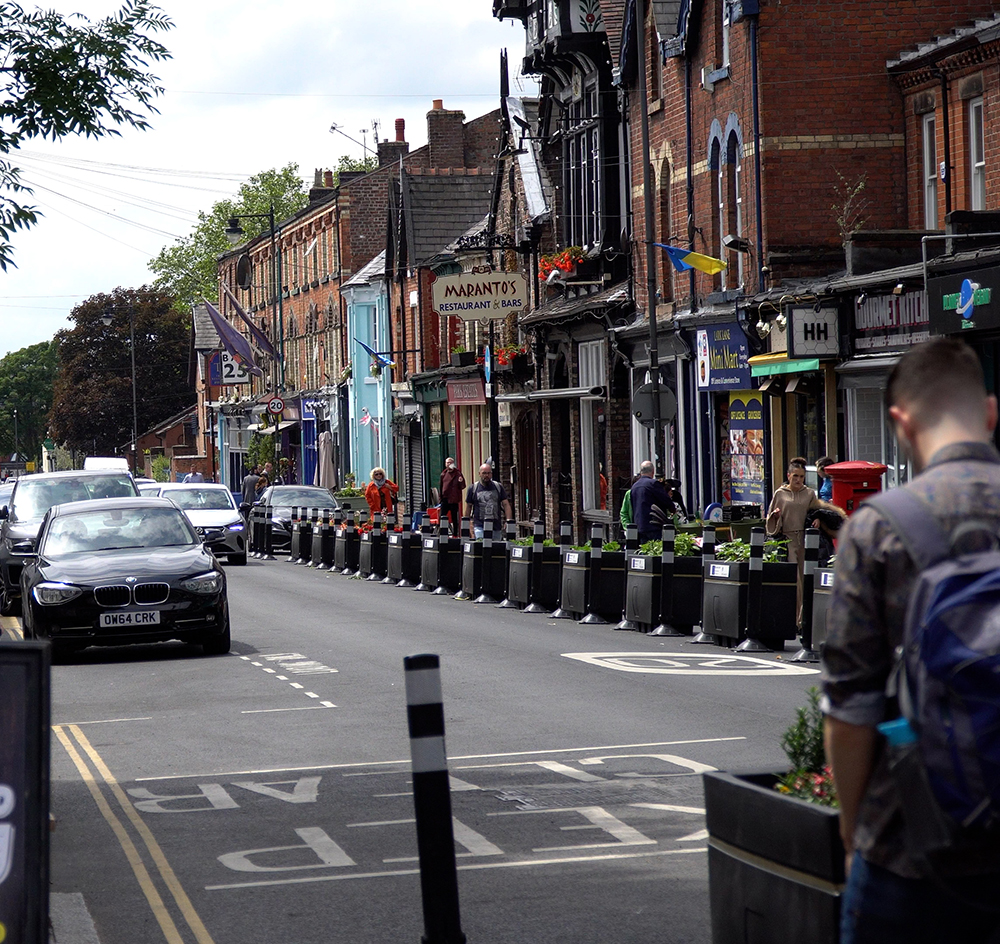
763	328
898	289
736	243
862	298
781	321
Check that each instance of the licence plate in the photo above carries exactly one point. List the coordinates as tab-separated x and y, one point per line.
130	618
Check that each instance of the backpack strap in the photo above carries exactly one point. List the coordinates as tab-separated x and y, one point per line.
915	525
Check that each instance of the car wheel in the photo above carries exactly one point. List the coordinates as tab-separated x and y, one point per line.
218	645
238	559
8	604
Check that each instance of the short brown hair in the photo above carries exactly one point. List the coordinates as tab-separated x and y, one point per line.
937	376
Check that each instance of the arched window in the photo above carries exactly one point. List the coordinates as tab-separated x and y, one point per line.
734	200
718	205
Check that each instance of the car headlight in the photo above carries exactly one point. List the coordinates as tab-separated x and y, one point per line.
236	526
51	594
203	583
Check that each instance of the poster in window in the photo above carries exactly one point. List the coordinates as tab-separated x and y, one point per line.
746	447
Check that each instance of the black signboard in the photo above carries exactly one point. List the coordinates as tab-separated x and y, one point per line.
968	301
24	793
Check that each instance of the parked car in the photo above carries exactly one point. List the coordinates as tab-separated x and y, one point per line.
282	499
31	499
212	510
123	570
6	489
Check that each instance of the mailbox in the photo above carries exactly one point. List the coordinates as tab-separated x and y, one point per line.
853	482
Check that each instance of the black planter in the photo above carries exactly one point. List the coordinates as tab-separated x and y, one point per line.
372	555
519	575
687	594
474	580
575	582
403	558
441	564
775	863
608	595
642	590
724	603
463	358
346	554
822	592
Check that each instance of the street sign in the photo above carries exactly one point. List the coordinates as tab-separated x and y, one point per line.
225	371
642	404
487	363
275	405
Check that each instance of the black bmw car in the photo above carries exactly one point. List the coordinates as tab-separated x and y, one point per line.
123	570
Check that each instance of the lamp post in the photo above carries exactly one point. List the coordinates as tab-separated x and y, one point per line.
108	317
235	235
15	433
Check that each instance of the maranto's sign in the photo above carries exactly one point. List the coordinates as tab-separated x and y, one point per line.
480	296
964	302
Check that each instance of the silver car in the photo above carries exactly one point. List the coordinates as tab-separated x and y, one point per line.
212	510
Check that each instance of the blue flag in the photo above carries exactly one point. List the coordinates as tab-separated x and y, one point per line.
233	341
381	359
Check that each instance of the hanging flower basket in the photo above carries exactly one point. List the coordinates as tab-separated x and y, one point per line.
563	261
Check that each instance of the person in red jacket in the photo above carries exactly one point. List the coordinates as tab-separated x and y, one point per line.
381	493
452	489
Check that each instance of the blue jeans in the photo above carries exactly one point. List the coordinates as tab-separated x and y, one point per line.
880	907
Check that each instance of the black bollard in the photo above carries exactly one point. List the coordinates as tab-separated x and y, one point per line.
296	536
465	528
755	593
426	535
536	570
306	528
407	537
631	545
432	801
320	545
666	628
807	653
510	532
253	550
488	531
707	556
565	542
267	532
593	618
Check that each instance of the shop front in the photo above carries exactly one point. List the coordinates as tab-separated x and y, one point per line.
467	397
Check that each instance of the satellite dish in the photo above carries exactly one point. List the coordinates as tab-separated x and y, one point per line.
244	272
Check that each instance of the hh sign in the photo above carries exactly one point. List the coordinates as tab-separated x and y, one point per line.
480	296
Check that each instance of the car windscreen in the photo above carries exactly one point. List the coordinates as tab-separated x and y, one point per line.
201	499
91	531
35	496
302	497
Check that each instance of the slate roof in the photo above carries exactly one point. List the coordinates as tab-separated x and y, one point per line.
368	273
206	338
440	208
982	31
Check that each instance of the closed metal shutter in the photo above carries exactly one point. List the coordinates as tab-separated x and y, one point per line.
415	467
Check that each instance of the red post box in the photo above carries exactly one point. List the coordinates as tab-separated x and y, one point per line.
853	482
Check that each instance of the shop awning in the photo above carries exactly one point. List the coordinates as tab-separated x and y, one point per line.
764	365
557	393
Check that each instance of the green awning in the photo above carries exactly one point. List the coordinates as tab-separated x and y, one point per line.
764	365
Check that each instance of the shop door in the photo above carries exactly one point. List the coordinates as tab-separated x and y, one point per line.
415	467
528	488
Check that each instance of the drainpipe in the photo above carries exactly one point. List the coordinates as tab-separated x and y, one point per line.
946	122
689	135
758	187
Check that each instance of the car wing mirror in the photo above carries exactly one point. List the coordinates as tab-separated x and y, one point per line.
4	513
23	549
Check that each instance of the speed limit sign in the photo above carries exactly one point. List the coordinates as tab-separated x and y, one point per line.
275	405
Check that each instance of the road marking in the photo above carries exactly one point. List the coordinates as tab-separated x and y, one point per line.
264	711
472	867
13	626
406	762
164	868
103	721
670	808
688	663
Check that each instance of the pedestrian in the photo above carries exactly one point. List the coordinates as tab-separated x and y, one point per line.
791	503
194	476
825	490
944	420
451	490
485	499
273	477
381	493
646	494
674	491
249	488
625	512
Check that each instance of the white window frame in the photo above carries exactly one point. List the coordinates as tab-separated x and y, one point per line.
930	170
593	369
977	155
726	20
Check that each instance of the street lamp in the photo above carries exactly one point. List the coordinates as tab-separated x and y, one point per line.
15	434
235	235
107	318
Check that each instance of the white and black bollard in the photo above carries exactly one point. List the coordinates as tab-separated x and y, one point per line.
707	557
565	542
666	627
631	546
485	583
510	533
432	801
538	536
295	535
807	653
593	617
755	594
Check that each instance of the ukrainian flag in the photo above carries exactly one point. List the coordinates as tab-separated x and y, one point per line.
684	260
380	359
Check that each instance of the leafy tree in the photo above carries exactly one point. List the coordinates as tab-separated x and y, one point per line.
188	269
26	379
92	406
260	449
348	163
66	75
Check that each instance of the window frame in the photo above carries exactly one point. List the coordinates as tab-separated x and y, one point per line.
977	153
592	364
929	169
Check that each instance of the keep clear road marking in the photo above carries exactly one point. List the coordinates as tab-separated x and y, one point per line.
13	627
688	663
295	664
66	735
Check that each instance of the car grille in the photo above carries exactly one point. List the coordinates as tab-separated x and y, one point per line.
118	595
150	593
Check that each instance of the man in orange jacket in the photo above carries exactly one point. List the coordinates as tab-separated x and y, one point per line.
381	493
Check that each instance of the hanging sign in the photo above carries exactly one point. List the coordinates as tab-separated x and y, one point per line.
722	358
746	447
480	296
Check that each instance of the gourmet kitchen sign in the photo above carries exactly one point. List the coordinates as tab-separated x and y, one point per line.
480	296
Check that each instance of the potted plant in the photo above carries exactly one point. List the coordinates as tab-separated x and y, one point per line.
460	357
775	858
642	584
350	497
560	264
476	579
403	558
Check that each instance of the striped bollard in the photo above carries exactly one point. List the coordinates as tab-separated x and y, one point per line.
755	593
667	585
296	536
631	545
390	528
488	526
267	532
510	532
537	538
707	557
426	531
407	538
807	653
254	550
320	542
565	541
346	570
432	801
593	618
465	528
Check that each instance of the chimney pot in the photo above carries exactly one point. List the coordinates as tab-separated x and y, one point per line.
400	129
438	104
328	178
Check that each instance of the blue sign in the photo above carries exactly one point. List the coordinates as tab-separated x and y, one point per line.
723	358
487	363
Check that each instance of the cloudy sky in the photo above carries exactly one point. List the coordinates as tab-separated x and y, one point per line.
252	84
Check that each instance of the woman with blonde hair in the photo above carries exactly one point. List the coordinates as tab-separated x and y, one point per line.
381	493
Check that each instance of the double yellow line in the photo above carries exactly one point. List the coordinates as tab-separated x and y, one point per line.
99	779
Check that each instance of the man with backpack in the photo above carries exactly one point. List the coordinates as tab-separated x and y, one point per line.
484	501
911	670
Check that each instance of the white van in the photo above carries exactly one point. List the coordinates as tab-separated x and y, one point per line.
106	462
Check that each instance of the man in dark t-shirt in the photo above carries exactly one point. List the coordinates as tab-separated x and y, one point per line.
646	492
484	500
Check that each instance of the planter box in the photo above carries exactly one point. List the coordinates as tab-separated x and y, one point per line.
403	557
346	553
775	863
372	555
607	598
724	601
687	594
441	563
822	592
642	589
474	582
575	582
520	576
463	358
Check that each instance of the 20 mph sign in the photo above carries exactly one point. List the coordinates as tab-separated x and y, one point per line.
275	405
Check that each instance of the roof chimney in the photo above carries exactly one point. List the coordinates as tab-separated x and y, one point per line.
400	129
438	104
390	151
445	137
